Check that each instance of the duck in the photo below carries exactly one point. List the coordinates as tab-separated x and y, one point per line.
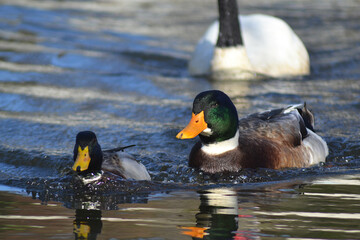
90	160
242	47
278	138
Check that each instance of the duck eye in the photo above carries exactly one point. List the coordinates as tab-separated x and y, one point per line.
197	121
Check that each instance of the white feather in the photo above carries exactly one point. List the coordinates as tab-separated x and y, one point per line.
231	63
317	148
91	177
314	144
221	147
293	108
207	132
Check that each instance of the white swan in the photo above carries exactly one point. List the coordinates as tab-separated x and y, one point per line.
263	45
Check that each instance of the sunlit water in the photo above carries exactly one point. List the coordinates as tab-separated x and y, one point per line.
118	68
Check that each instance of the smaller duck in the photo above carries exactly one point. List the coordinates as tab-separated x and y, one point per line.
278	138
89	158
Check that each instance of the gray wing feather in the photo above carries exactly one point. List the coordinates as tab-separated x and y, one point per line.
125	165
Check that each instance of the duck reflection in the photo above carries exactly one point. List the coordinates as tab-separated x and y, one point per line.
87	224
219	217
88	216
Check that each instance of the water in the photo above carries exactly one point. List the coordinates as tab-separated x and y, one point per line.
118	68
316	208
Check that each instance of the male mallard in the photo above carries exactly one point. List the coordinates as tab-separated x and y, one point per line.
89	158
237	46
278	138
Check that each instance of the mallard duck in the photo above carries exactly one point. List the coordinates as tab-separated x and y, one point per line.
279	138
89	158
248	46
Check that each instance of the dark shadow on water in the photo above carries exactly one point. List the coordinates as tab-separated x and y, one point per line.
103	194
111	190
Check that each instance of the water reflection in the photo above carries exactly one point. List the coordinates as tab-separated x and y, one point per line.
219	217
87	224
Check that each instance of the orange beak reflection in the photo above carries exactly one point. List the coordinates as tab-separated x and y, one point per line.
196	125
195	232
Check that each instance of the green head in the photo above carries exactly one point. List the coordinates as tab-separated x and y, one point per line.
214	117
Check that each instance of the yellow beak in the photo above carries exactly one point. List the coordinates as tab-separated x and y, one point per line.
196	125
82	160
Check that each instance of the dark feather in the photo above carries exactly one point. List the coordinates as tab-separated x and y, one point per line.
118	149
307	116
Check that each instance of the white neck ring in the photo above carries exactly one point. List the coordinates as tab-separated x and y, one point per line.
221	147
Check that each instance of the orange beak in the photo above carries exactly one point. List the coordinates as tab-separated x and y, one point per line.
196	125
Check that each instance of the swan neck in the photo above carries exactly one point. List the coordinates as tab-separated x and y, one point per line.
229	27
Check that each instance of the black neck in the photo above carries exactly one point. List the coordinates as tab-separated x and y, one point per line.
229	26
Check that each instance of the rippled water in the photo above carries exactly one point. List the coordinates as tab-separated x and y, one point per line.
118	68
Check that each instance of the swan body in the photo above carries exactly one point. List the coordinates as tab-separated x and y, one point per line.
270	47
